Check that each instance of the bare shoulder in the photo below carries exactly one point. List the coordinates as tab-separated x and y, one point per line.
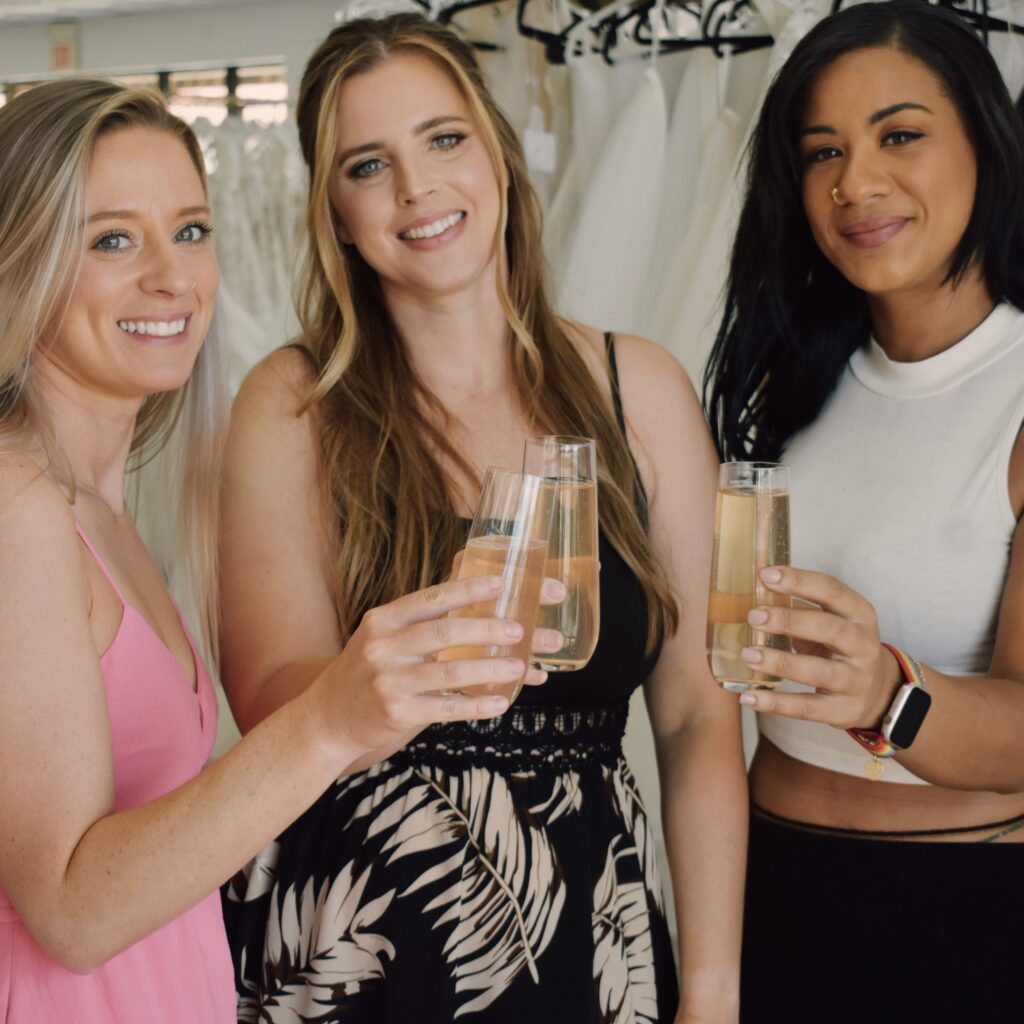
270	431
658	397
646	370
650	371
40	555
277	383
29	498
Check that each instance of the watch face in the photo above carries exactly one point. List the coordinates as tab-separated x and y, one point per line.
908	716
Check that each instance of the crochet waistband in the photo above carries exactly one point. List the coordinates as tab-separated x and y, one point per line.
527	738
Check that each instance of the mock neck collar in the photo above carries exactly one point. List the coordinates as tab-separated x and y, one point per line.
990	340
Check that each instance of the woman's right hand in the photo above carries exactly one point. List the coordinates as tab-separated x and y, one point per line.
387	682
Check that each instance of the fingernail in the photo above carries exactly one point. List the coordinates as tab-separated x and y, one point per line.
515	665
771	575
513	631
757	616
494	706
494	582
751	655
748	698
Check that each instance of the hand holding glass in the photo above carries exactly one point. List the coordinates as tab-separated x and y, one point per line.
751	533
508	538
569	468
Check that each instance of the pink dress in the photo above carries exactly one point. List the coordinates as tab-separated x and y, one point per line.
162	734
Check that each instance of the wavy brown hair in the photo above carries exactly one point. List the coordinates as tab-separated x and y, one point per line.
399	528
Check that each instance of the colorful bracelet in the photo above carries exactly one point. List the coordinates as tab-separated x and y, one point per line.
871	739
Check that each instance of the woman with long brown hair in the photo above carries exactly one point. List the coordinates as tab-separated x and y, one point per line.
503	870
115	836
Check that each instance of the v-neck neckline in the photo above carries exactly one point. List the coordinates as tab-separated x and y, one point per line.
192	679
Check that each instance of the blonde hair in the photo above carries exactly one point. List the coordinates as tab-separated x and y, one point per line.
399	528
47	139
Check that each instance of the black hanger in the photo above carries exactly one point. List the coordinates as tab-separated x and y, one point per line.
717	19
554	42
715	22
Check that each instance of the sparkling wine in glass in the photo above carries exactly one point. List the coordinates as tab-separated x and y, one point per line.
569	468
508	538
751	533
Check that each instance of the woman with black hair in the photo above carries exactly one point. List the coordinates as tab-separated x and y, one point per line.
873	338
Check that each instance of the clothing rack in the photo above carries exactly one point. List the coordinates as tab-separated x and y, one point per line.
724	26
641	27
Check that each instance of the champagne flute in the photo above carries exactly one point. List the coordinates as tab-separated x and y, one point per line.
751	533
508	538
569	468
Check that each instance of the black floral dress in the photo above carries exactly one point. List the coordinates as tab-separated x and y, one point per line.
497	871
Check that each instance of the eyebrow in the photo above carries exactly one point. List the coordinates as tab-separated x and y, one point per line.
878	115
185	211
425	126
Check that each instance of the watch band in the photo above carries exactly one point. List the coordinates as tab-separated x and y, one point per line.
871	739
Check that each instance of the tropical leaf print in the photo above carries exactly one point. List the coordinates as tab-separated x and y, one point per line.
623	951
257	878
625	798
318	949
504	887
566	796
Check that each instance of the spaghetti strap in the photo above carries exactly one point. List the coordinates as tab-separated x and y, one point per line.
639	494
613	376
103	568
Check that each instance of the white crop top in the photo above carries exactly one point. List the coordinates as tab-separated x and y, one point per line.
900	489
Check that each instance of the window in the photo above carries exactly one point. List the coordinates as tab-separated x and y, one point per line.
258	93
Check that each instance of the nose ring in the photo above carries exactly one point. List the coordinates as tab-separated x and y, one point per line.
192	286
835	196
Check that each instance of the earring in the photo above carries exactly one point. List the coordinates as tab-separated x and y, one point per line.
835	196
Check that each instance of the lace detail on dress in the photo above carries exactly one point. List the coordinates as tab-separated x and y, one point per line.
524	739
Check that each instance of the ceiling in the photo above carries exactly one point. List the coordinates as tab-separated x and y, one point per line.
59	10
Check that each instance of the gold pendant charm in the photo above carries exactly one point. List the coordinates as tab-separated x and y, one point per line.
874	769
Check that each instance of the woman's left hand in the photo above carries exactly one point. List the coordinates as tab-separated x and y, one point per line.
836	649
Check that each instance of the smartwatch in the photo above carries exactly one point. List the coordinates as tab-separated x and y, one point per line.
906	714
902	721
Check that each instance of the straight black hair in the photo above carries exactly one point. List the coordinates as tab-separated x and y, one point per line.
791	320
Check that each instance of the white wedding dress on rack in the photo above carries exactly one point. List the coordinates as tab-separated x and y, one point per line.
1007	48
605	268
598	93
258	192
687	322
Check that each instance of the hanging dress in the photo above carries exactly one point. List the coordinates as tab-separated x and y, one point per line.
597	95
499	871
607	263
688	310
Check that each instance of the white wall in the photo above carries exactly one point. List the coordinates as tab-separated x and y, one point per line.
288	30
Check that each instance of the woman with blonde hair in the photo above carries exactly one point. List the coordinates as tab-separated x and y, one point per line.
499	871
115	837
